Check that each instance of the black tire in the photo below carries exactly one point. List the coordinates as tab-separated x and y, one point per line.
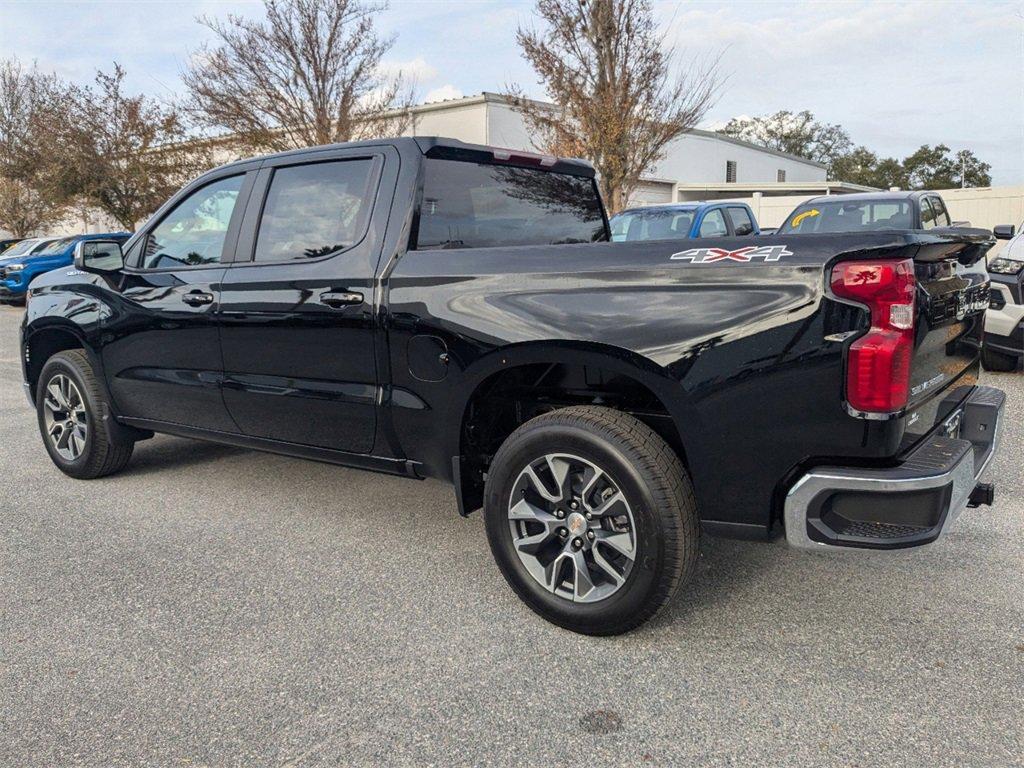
992	360
653	481
100	455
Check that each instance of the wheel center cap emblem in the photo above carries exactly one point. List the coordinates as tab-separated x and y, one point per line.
576	523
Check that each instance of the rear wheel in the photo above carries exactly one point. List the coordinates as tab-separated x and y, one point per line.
591	518
69	404
992	360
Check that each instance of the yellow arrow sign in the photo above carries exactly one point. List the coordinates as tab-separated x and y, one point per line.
805	215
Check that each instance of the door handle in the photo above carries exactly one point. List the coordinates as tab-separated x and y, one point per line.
337	299
197	298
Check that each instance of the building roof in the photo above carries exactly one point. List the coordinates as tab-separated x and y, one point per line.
779	187
498	98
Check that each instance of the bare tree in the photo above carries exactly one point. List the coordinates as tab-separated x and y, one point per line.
29	202
124	154
24	211
618	98
309	74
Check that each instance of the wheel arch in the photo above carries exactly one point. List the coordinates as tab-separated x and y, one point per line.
40	343
680	425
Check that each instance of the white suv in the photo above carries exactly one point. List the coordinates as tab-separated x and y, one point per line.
1004	322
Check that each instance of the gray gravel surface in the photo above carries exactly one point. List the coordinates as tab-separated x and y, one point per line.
214	606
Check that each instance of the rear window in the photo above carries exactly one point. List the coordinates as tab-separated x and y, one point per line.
850	216
652	224
476	205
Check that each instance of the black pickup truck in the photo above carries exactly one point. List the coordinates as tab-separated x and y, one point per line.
434	309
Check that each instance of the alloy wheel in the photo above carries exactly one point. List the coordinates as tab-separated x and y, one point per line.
572	528
65	417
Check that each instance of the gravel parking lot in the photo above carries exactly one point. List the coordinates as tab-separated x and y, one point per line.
215	606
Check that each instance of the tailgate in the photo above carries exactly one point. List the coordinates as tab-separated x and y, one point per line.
952	296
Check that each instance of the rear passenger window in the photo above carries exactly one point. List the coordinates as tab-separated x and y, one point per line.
927	214
478	205
941	216
713	224
314	210
741	221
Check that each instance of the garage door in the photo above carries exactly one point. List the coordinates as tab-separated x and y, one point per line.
651	193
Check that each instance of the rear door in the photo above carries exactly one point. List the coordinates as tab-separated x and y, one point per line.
742	223
713	224
298	330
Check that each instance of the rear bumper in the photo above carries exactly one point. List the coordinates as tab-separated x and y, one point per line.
907	505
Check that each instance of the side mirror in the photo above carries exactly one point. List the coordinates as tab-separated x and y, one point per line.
99	256
1004	231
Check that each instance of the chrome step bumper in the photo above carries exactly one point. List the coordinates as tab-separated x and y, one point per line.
903	506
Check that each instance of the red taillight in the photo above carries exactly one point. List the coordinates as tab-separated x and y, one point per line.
878	366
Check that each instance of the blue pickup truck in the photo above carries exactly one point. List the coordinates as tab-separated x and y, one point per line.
17	270
684	221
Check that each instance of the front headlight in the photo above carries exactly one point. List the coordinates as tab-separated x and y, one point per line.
15	267
1003	266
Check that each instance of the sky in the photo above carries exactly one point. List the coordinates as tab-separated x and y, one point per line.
895	75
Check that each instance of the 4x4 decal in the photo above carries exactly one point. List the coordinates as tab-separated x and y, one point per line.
742	255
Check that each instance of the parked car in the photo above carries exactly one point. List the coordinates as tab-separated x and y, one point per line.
869	212
9	242
683	221
11	261
17	271
1004	322
429	308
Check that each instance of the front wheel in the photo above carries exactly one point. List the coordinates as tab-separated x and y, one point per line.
591	518
68	405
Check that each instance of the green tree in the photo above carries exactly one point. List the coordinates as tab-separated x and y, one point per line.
797	133
930	168
971	171
862	166
936	168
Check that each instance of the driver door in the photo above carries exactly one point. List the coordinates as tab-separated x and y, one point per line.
163	360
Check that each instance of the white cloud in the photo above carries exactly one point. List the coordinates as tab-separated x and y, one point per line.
444	93
416	71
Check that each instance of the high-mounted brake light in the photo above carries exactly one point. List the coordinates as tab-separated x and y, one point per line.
523	158
878	365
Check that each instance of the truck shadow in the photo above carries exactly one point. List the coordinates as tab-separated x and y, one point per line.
163	453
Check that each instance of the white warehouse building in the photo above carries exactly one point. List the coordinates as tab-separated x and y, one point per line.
698	165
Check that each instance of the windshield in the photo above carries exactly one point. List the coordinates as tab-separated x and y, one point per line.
55	247
653	224
21	248
850	216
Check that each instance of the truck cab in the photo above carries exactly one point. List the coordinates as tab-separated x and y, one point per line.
684	221
869	212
